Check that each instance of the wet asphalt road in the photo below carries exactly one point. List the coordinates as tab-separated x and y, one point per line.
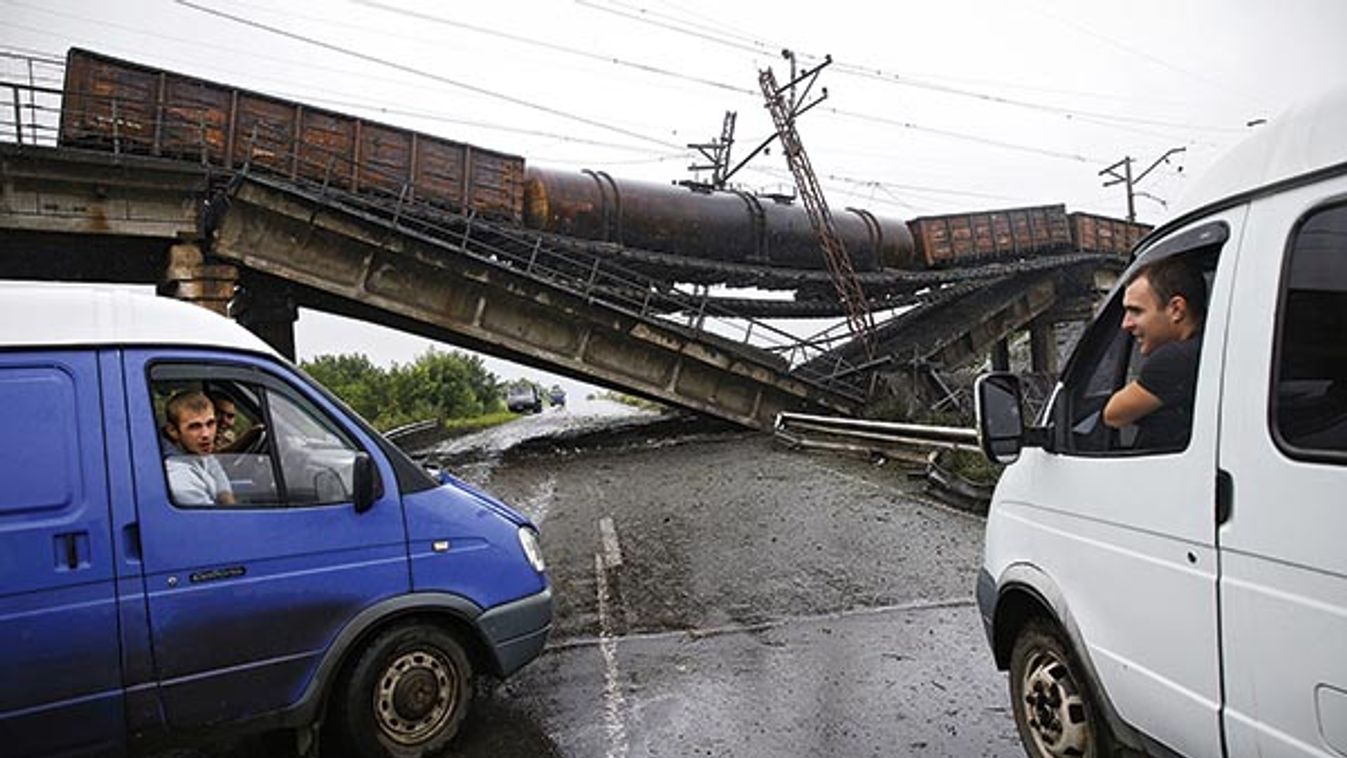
723	596
719	595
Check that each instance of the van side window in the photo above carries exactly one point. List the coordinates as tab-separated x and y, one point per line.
1149	369
1309	400
229	442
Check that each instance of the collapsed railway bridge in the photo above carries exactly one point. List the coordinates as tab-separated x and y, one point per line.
254	207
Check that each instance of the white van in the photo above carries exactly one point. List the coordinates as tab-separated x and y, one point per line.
1192	599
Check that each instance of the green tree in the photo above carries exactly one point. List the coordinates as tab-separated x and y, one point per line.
354	379
443	385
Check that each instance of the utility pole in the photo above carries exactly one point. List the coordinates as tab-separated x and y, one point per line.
786	106
1126	178
717	152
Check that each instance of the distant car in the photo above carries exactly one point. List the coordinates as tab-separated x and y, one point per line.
557	396
524	398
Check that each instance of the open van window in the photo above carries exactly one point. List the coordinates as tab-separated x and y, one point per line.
277	450
1309	401
1129	388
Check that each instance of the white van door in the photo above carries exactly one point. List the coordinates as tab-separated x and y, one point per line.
1284	446
1127	533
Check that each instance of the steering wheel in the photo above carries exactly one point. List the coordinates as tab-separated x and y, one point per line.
258	443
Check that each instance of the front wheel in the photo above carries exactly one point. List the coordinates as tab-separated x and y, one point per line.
1055	711
406	695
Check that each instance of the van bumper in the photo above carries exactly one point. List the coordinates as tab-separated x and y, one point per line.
986	595
517	630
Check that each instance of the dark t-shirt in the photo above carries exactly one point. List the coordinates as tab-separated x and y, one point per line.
1169	373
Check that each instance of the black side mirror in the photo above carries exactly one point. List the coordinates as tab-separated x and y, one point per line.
363	477
1000	422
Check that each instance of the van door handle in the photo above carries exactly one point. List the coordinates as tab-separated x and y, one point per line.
72	551
1225	495
131	542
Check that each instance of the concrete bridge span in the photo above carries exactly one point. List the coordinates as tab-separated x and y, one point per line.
199	234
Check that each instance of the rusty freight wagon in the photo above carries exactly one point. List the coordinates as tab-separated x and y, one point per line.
117	105
1101	234
960	238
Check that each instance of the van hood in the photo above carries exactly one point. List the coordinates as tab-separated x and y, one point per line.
485	498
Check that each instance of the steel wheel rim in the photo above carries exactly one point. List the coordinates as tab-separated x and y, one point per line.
415	695
1054	708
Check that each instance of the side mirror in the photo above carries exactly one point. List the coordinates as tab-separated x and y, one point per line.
1000	423
362	482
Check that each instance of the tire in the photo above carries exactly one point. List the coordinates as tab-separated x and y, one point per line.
1055	711
405	696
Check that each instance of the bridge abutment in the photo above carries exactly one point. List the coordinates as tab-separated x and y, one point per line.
189	276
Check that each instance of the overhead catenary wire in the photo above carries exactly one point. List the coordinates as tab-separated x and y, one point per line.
649	68
761	47
554	47
315	95
342	50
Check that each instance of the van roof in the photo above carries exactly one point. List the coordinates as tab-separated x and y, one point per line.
51	314
1305	138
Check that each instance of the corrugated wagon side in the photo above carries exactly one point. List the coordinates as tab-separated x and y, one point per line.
1101	234
111	104
960	238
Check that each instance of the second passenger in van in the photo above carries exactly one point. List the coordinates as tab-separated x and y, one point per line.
195	477
1164	307
227	438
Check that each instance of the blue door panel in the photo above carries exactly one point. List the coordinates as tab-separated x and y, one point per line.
79	618
243	601
61	688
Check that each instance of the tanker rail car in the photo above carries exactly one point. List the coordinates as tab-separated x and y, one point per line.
111	104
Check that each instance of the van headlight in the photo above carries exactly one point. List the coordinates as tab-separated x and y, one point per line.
528	540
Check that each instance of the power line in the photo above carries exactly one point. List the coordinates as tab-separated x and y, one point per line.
720	85
1134	51
759	47
962	136
426	74
309	94
645	67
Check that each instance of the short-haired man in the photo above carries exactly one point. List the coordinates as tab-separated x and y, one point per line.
226	413
194	476
1164	306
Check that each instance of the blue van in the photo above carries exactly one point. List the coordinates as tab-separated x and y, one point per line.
170	569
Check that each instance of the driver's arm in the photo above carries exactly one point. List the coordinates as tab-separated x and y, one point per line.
1129	405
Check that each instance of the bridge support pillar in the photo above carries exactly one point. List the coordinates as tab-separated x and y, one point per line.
187	276
269	311
1043	346
1001	355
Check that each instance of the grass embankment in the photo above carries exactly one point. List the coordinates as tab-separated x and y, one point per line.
459	426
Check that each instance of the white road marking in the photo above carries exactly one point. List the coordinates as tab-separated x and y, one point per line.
614	703
612	551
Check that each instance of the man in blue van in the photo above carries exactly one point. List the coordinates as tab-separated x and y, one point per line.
195	477
1164	306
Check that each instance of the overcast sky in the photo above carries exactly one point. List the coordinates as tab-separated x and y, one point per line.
933	107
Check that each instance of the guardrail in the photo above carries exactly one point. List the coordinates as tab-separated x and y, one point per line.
918	444
898	440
